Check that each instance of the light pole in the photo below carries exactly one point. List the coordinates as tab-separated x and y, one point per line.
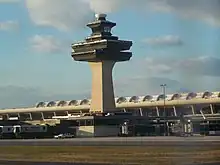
164	107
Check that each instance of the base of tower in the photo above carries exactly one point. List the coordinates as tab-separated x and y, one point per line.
102	96
98	131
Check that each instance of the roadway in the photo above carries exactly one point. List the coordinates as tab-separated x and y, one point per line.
47	163
118	141
188	142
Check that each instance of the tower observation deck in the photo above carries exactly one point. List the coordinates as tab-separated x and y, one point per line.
102	50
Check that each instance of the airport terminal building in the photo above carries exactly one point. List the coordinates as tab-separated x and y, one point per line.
107	115
193	113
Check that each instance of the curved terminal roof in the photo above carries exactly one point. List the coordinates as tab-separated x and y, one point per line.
205	97
136	99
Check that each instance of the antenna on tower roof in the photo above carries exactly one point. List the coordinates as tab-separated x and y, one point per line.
100	16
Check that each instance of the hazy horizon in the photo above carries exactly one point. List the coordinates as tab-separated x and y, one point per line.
174	42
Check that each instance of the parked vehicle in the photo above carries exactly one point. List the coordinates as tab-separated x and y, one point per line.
63	136
24	131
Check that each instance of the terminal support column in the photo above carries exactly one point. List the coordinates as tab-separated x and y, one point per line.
30	116
193	110
211	108
102	96
174	110
157	110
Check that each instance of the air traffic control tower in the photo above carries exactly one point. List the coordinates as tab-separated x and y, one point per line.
102	50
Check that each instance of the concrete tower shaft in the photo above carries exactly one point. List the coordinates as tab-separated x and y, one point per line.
103	99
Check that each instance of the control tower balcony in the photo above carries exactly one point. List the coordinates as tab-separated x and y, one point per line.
112	45
100	55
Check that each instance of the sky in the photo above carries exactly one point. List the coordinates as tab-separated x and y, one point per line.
174	42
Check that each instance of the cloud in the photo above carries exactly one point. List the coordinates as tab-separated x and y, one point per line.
13	96
168	40
9	25
207	11
189	74
63	15
109	6
10	1
47	44
16	96
70	15
147	85
197	66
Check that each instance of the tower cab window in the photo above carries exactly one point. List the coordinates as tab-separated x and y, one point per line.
107	29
